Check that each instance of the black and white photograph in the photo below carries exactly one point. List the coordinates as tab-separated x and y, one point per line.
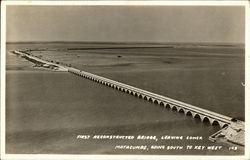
123	79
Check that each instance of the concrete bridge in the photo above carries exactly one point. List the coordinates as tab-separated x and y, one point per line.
196	112
187	109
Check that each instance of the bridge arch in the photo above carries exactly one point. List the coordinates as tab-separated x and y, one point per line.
197	116
174	108
167	105
215	122
206	120
150	99
225	125
188	113
139	95
162	104
222	124
181	110
136	94
156	101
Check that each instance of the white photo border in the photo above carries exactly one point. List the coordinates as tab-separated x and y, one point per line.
5	156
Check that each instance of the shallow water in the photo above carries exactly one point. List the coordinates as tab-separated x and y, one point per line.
47	110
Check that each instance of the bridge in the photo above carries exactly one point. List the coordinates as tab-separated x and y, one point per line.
187	109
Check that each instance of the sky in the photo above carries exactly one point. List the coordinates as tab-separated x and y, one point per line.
126	23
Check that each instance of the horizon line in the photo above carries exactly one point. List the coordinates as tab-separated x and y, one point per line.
139	42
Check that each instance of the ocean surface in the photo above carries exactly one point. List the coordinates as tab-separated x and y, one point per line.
46	110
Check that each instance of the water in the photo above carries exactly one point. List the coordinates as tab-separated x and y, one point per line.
46	110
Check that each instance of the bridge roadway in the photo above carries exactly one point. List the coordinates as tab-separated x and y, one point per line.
196	112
